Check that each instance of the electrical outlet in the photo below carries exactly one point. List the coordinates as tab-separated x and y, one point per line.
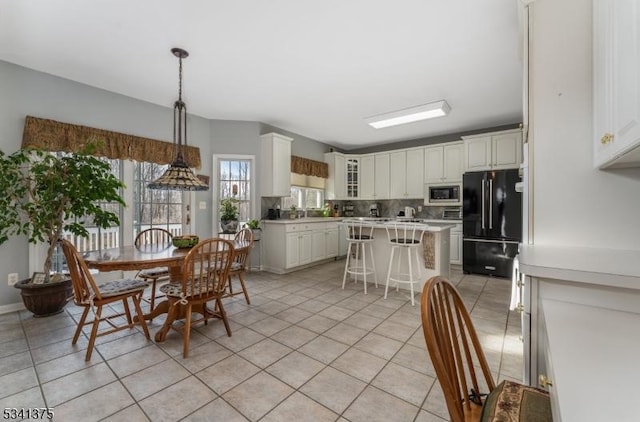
419	208
12	279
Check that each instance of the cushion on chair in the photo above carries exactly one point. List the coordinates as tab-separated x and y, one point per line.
118	287
511	401
236	266
360	237
154	273
175	289
405	241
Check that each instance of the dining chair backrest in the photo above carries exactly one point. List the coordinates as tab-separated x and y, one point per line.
244	237
154	236
407	234
205	270
455	351
358	230
84	286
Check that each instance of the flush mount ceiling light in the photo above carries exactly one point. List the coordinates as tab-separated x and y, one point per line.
409	115
179	176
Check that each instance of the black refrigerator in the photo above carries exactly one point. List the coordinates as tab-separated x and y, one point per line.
491	222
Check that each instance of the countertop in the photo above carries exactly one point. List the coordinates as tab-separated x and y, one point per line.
433	225
608	267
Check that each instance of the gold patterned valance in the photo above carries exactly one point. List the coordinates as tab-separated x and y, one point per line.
308	167
51	135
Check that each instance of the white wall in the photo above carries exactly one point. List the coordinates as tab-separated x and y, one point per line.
573	203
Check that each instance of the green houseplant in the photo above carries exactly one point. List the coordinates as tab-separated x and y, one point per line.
254	225
229	215
45	195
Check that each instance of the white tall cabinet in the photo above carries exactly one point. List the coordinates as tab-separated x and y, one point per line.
276	165
443	163
367	176
493	151
616	83
336	184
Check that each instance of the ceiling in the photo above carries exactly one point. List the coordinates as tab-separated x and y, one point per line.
315	67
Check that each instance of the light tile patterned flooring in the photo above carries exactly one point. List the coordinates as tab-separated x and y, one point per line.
304	350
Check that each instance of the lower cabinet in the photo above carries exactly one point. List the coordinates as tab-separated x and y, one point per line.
291	245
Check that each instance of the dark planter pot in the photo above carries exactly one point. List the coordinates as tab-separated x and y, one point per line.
229	226
45	299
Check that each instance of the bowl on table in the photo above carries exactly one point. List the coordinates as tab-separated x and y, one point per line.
184	242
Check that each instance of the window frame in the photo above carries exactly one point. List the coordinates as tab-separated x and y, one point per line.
215	187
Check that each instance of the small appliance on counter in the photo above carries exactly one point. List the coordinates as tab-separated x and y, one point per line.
409	212
374	210
347	210
454	213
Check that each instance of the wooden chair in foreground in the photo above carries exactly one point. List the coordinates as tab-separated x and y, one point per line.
161	239
93	297
243	243
205	273
461	366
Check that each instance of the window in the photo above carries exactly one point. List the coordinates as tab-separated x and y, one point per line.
152	207
234	179
305	198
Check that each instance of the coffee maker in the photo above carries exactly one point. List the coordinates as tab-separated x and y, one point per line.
374	210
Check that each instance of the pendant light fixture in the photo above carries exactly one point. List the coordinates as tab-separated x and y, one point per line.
179	176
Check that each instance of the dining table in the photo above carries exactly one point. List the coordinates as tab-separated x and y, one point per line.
142	257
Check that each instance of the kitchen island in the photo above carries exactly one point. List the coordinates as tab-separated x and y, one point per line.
434	259
290	245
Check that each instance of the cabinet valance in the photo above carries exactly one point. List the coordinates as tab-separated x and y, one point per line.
51	135
309	167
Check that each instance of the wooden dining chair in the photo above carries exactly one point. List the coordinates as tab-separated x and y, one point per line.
93	297
205	274
243	243
461	367
161	239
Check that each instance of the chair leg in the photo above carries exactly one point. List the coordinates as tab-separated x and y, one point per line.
187	331
364	268
127	311
230	286
244	289
136	303
94	333
386	287
410	276
373	265
346	265
223	316
152	299
80	324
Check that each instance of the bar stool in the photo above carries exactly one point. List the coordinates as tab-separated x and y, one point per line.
359	239
404	239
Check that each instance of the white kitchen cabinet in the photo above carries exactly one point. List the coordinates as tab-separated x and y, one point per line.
290	245
455	254
493	151
406	174
276	165
616	83
367	176
352	165
335	187
381	176
443	163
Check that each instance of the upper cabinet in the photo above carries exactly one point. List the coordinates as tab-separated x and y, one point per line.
616	78
335	187
443	163
352	167
493	151
367	177
276	165
381	177
406	173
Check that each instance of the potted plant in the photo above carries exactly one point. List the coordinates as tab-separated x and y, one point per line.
229	215
292	212
45	195
254	225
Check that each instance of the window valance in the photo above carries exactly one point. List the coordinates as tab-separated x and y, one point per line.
51	135
309	167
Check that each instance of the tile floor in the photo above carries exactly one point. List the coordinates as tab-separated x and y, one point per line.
304	350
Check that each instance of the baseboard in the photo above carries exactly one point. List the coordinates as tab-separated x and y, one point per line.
13	307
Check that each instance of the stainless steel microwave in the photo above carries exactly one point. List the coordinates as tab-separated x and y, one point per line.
443	194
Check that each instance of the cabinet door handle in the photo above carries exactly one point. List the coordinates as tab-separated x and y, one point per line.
519	308
544	381
606	138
